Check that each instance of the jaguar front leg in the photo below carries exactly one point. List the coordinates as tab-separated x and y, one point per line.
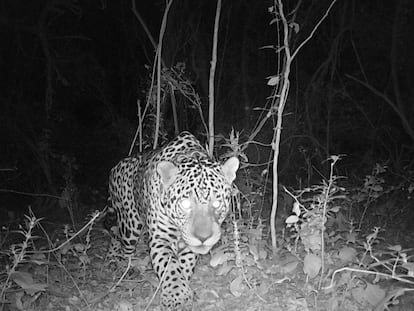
174	272
188	260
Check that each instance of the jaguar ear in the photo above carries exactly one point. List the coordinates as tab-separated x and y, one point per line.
168	172
230	168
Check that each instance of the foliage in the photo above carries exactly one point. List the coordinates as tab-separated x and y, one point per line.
346	267
25	279
69	101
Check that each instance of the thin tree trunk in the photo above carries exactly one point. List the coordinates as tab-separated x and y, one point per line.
211	81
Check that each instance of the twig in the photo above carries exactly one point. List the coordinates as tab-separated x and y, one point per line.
174	108
159	284
141	21
211	81
314	29
398	111
21	253
324	212
34	194
159	57
138	131
62	266
280	102
112	289
12	169
394	277
93	219
141	116
294	54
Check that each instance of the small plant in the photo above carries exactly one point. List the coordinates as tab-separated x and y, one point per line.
316	224
243	246
69	194
78	250
232	143
21	286
309	223
360	286
243	239
372	189
18	256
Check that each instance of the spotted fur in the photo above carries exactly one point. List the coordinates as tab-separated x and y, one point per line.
181	196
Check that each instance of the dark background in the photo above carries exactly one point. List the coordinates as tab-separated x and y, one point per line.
72	72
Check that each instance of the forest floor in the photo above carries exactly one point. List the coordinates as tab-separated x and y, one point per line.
367	269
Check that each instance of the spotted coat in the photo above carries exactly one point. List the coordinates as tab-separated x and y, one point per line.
181	196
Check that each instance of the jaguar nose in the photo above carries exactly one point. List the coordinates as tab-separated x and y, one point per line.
203	225
203	235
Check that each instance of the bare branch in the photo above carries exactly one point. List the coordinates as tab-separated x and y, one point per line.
211	81
159	55
405	123
141	21
314	29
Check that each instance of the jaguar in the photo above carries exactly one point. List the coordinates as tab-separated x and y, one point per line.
178	195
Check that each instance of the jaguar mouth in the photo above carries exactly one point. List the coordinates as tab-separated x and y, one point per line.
201	249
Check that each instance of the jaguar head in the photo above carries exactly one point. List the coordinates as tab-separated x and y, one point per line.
199	202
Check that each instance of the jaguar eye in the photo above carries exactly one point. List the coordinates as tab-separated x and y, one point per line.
216	204
186	204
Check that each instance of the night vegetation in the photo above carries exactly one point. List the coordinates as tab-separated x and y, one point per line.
314	98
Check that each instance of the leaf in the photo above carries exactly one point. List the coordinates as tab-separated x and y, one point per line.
273	81
25	281
296	208
292	219
311	265
124	306
236	286
218	258
254	251
295	26
351	237
224	269
280	281
290	267
262	253
347	254
268	47
39	259
410	267
18	302
377	188
274	20
396	248
65	248
311	240
263	289
79	247
300	304
335	209
371	294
